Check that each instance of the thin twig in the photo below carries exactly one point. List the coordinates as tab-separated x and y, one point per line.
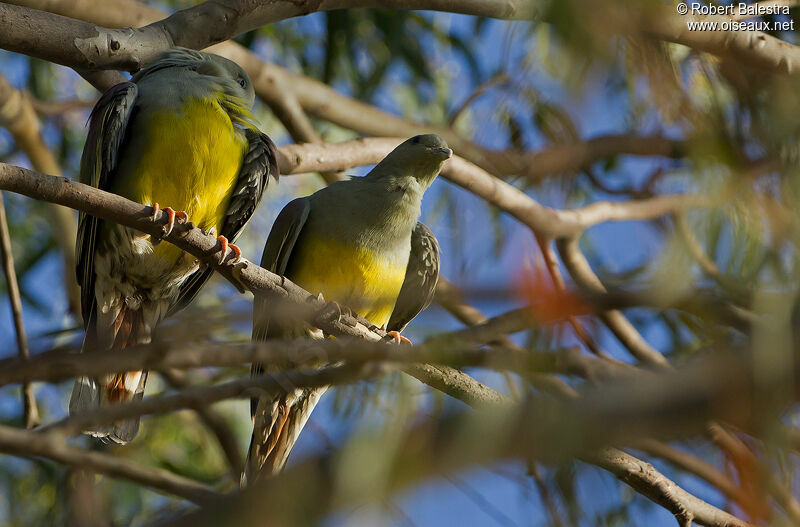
18	116
31	412
32	444
215	422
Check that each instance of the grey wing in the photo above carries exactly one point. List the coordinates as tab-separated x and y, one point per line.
260	162
278	418
107	125
277	253
422	274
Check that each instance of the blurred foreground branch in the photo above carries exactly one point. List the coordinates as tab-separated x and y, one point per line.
663	405
33	444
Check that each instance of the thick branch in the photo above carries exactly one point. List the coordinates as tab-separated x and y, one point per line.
245	275
318	99
546	222
185	236
85	46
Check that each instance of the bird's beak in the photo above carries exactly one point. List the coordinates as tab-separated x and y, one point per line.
445	152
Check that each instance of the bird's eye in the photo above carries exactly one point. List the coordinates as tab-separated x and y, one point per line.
415	139
242	82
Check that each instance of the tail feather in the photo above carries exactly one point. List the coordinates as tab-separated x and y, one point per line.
128	328
277	424
88	394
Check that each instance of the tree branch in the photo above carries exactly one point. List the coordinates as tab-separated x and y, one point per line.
32	444
318	99
18	116
546	222
30	411
199	396
661	404
92	47
215	422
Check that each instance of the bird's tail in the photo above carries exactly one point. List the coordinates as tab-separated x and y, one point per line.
126	329
277	423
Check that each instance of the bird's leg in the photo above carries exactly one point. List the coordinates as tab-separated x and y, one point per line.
396	337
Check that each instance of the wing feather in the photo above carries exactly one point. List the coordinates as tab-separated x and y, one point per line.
107	127
422	275
280	417
277	253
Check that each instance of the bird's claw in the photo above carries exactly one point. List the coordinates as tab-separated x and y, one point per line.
342	313
238	266
397	338
225	245
172	215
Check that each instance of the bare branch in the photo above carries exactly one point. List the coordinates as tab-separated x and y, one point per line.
30	411
752	48
32	444
546	222
580	271
698	467
318	99
215	422
645	479
76	44
17	115
115	208
196	397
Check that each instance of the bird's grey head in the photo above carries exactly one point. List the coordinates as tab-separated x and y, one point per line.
421	156
226	74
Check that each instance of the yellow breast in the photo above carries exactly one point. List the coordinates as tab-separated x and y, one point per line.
354	277
189	160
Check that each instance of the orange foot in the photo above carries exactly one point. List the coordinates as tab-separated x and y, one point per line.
398	338
237	253
171	215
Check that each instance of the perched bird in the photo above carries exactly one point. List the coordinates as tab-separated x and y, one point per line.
179	134
358	243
